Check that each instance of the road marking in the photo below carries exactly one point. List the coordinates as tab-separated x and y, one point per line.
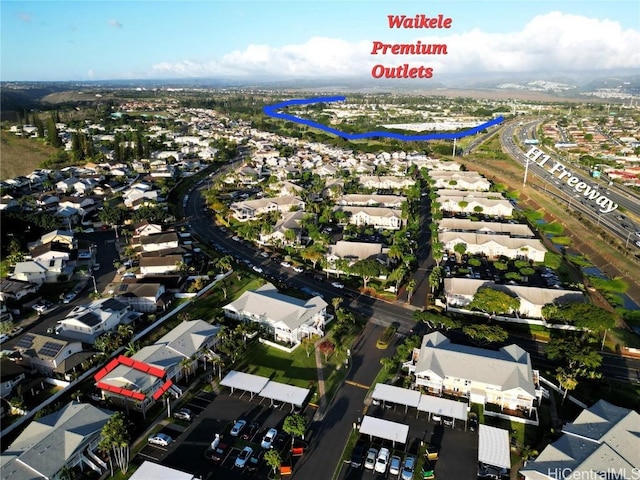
356	384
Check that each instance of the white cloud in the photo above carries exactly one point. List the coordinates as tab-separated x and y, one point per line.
554	42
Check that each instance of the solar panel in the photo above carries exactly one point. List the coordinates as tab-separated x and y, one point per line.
123	287
50	349
26	341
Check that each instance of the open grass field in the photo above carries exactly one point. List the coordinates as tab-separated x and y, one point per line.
20	156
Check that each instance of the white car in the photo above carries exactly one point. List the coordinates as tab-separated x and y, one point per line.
161	439
298	269
257	269
337	285
243	457
383	460
267	440
370	461
285	264
68	297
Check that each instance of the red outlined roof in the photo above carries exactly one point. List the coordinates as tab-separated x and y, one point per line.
136	365
165	386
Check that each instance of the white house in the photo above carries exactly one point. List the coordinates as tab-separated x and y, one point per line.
359	200
376	217
504	377
459	293
516	230
471	204
87	322
159	241
37	272
461	180
250	209
494	246
289	319
386	182
141	297
160	265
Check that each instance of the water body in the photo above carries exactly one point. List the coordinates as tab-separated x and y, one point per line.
627	303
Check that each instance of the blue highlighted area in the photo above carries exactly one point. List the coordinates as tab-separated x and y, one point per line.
272	111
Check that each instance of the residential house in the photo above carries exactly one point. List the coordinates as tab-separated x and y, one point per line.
376	217
462	180
459	293
471	205
37	272
352	252
386	182
87	322
50	251
288	319
289	221
494	246
159	241
139	381
602	442
160	265
358	200
139	194
54	443
16	290
141	297
11	375
250	209
64	237
504	377
145	228
82	205
48	354
515	230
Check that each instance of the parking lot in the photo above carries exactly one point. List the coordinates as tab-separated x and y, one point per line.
216	414
457	448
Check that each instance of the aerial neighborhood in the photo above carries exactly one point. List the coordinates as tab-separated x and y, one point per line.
190	290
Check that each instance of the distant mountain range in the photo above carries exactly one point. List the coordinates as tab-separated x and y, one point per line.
26	95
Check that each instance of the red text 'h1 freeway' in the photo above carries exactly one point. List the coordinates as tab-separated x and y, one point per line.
272	111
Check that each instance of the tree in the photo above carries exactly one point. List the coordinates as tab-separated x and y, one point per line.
494	302
434	278
115	441
327	348
460	249
187	365
295	425
313	254
308	343
435	320
367	269
482	334
273	459
567	381
224	284
15	252
411	286
575	353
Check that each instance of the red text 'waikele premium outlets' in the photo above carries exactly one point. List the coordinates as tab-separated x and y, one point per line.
418	48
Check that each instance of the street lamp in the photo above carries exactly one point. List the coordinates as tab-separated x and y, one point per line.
95	287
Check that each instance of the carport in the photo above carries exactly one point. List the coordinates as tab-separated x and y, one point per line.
379	428
244	381
281	392
493	446
401	396
443	407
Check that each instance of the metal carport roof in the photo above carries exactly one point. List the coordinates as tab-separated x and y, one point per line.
401	396
285	393
493	446
443	406
379	428
244	381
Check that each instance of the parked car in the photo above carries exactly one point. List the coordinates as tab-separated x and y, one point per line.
408	466
243	457
473	422
237	428
219	453
161	439
337	285
394	465
68	297
255	461
370	460
285	264
357	454
3	337
298	269
267	440
257	269
96	267
250	430
184	414
382	462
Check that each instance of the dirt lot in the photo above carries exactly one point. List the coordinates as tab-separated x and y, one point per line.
21	155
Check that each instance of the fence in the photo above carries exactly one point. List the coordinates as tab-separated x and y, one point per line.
559	390
278	346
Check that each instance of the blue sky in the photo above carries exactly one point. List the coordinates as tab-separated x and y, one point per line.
66	40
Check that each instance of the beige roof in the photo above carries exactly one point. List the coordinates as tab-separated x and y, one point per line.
471	238
360	199
372	211
463	224
534	295
359	250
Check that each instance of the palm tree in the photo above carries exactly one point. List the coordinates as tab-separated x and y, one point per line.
336	301
186	364
411	286
132	349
